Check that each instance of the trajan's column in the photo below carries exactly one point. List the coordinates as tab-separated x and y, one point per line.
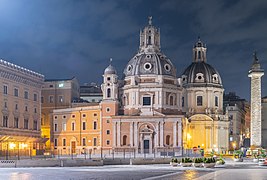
255	73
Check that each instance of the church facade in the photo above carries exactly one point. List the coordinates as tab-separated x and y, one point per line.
152	108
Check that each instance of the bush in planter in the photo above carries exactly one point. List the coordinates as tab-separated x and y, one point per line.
220	160
209	162
187	160
238	154
174	160
263	153
198	162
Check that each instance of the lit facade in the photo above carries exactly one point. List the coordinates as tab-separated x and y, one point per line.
76	130
20	103
56	94
145	109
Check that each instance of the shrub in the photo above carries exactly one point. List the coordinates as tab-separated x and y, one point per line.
238	154
187	160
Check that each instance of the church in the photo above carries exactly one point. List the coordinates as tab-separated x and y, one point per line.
152	109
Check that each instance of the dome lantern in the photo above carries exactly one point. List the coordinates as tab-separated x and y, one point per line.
199	52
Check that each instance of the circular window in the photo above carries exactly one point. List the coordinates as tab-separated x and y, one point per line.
215	78
147	66
108	109
148	56
135	57
183	79
129	68
167	67
199	77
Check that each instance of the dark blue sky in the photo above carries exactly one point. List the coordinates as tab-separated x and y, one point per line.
65	38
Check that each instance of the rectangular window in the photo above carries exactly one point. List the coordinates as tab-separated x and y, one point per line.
199	100
35	110
55	127
16	107
95	125
42	99
16	122
64	126
35	97
35	125
26	95
73	126
5	89
108	131
5	121
55	142
26	108
51	99
60	99
216	101
108	142
84	125
26	124
5	104
182	101
64	142
84	141
95	141
146	101
16	92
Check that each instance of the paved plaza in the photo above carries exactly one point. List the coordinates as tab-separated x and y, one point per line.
245	170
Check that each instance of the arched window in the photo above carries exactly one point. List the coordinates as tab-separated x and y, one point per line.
171	100
124	140
149	40
168	140
199	54
108	93
199	101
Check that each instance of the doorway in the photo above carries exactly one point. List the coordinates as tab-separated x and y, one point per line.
73	147
146	146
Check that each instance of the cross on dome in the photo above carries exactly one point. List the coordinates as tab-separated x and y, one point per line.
150	20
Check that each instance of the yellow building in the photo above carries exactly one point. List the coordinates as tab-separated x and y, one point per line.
76	130
20	113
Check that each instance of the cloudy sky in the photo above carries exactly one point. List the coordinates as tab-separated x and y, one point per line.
66	38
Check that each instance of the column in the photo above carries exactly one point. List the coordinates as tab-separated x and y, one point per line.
114	134
156	136
150	144
180	134
174	134
161	134
119	134
135	135
131	134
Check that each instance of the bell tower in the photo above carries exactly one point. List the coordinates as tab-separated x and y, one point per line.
255	74
110	83
109	105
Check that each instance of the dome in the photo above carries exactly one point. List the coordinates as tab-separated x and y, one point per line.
150	63
110	70
201	73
